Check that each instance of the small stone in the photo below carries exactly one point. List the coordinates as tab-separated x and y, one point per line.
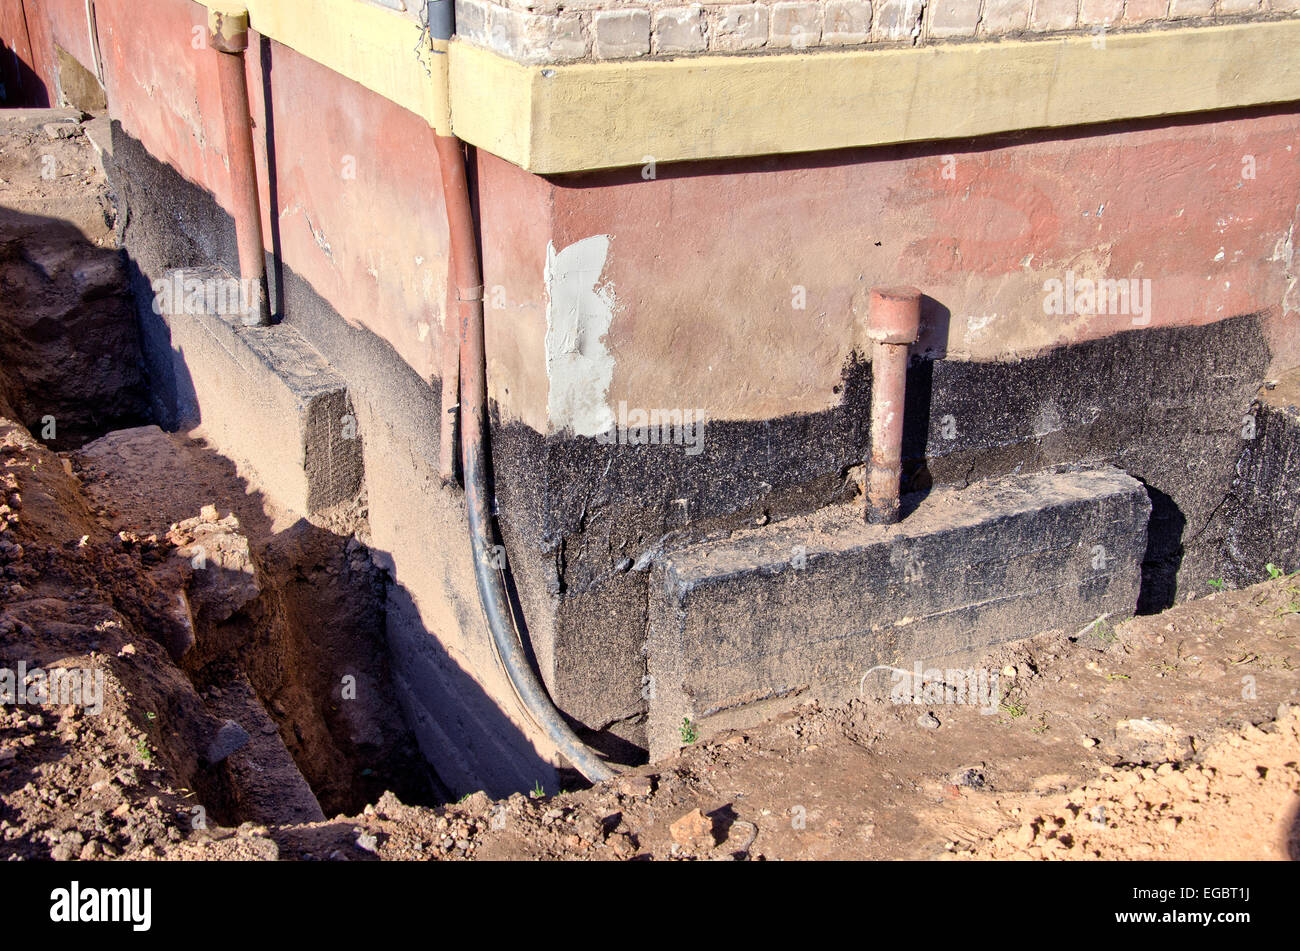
694	830
61	130
368	842
635	787
477	804
971	777
928	721
1087	741
208	513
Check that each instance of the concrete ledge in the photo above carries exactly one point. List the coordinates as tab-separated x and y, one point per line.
582	116
268	399
811	605
579	116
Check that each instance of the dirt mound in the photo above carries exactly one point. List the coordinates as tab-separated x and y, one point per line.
70	354
240	672
1241	801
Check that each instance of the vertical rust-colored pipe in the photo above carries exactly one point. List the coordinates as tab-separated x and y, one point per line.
448	450
892	326
465	296
228	34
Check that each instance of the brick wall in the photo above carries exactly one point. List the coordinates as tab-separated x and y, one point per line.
537	31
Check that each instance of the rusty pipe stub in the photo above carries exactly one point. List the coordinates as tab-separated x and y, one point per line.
232	84
228	27
892	325
895	315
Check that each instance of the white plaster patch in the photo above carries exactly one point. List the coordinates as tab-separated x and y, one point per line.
579	311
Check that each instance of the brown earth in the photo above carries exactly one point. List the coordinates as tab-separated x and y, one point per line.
70	350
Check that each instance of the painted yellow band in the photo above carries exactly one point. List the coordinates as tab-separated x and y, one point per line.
600	115
378	48
582	116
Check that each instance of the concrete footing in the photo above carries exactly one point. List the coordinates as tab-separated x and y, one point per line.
1260	519
827	599
263	394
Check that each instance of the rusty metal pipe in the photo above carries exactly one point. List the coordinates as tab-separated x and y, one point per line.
464	292
448	452
476	460
892	326
228	35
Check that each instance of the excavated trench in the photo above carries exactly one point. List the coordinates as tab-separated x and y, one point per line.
267	690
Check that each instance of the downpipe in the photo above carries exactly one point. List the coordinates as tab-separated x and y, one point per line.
228	35
472	418
892	326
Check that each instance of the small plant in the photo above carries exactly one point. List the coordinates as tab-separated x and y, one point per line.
1104	632
537	792
143	751
1014	708
1218	584
688	731
1274	571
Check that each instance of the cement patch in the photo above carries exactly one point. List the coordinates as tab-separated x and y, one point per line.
579	311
